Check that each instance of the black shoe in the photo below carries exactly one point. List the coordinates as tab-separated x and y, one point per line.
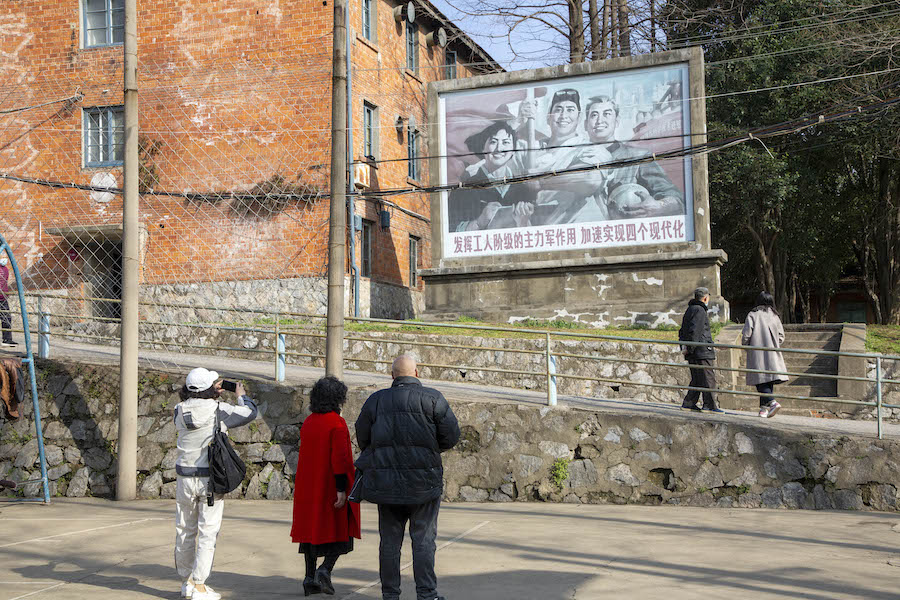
691	407
310	586
323	580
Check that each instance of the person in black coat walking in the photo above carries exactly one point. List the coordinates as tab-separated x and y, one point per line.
695	328
401	433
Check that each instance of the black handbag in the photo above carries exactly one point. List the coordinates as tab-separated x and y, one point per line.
226	469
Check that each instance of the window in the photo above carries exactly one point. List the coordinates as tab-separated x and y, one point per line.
369	22
370	130
365	249
450	69
104	136
412	47
413	261
412	149
104	22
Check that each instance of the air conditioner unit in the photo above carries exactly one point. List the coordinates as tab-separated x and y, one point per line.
362	176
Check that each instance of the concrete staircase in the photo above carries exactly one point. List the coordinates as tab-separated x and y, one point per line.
806	336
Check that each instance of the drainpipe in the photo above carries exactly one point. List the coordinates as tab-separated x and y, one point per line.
354	269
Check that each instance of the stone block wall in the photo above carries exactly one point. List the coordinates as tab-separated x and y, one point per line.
507	452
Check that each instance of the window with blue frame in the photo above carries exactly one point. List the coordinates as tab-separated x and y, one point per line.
412	47
368	19
104	136
412	148
104	22
370	130
450	66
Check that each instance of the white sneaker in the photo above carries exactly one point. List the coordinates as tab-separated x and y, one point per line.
764	412
773	407
209	594
187	589
9	344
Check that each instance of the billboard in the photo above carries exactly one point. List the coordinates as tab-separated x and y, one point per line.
508	149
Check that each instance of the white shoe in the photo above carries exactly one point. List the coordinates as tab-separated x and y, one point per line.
773	407
187	589
764	412
9	344
209	594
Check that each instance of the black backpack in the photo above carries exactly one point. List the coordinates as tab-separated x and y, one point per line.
226	469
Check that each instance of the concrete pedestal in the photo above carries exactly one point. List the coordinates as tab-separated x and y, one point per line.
640	289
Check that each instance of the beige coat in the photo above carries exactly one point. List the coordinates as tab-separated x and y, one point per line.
763	328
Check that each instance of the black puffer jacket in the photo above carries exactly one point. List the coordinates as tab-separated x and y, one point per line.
695	328
401	433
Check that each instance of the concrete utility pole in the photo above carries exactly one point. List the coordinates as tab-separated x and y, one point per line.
126	475
337	231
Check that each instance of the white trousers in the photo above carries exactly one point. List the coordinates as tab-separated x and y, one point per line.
196	528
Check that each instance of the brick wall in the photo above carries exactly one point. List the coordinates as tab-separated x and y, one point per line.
232	94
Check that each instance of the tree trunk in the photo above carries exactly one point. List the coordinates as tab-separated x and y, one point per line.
624	30
652	26
614	28
605	29
576	33
886	242
594	17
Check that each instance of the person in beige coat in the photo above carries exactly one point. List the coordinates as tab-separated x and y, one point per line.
763	328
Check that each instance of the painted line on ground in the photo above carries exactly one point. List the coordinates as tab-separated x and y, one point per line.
59	535
375	582
39	591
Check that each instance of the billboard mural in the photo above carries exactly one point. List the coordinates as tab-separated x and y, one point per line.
544	128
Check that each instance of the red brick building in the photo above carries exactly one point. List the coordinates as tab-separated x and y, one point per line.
235	123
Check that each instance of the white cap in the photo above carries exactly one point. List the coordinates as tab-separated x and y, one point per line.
200	379
3	261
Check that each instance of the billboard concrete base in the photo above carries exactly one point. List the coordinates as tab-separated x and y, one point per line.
644	289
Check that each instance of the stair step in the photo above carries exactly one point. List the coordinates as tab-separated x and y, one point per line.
831	346
811	336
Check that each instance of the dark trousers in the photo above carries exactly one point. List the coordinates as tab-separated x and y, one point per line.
392	520
765	390
702	376
5	320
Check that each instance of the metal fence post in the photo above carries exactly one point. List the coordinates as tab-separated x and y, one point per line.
878	399
551	370
43	331
279	350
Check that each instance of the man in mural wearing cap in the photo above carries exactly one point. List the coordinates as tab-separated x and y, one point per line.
5	316
198	514
636	191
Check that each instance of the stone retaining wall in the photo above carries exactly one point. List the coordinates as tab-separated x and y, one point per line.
507	452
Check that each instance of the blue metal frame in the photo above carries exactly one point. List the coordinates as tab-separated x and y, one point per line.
108	11
29	360
107	112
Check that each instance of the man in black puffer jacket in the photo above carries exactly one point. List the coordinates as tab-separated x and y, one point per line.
401	433
695	328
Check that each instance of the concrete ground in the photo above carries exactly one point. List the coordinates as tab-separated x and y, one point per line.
92	549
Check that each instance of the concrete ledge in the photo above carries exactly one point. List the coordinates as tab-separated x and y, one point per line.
853	339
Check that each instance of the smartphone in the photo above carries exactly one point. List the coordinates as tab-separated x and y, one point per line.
229	386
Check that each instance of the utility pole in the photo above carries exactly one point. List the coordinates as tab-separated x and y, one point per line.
126	474
337	230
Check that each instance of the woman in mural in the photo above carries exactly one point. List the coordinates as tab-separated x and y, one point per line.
497	206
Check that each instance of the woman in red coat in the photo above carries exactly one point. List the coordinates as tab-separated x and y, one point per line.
324	522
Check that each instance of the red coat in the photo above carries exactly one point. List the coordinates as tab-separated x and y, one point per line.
324	452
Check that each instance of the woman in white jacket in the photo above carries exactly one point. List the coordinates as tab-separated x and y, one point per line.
763	328
198	515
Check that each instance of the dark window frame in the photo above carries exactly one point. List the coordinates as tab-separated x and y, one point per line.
412	47
107	151
110	8
450	62
412	154
370	130
365	248
414	243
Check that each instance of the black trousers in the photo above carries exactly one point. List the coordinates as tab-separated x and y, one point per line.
5	320
392	519
702	376
765	390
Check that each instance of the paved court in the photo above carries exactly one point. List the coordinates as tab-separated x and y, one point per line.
98	550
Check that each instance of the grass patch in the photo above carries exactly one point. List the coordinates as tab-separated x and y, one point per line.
883	338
